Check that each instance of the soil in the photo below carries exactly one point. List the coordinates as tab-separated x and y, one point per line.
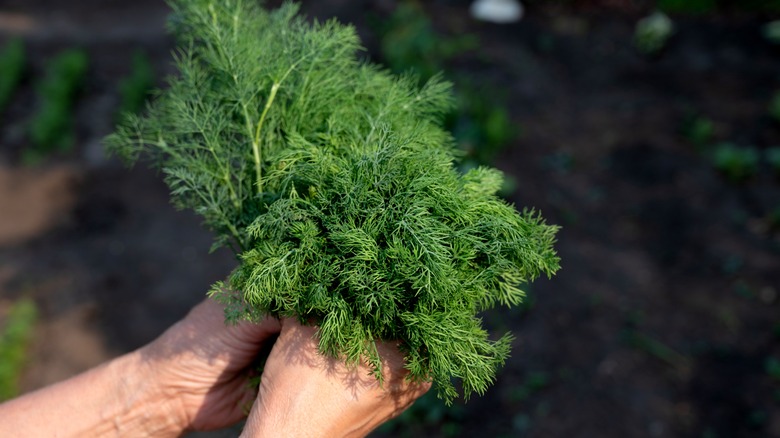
664	317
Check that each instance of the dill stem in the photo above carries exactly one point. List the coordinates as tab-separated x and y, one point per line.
229	184
236	235
256	142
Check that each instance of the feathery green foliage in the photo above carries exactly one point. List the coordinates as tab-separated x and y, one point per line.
335	183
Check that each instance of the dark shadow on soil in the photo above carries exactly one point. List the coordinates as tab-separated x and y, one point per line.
664	317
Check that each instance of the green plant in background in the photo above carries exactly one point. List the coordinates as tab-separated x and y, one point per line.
686	6
772	368
699	131
409	42
336	184
773	220
12	62
481	123
774	106
657	349
771	31
15	336
653	32
134	89
534	382
736	163
772	156
51	126
482	126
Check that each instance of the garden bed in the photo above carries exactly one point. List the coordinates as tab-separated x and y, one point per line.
664	320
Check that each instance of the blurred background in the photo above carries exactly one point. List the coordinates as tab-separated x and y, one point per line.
649	130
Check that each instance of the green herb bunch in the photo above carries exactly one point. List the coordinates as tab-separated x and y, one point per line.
335	183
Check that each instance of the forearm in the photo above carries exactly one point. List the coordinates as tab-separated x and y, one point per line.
114	399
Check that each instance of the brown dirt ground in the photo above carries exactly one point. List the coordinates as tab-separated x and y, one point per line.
664	315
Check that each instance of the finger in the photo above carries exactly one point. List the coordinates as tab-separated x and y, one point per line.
300	344
211	318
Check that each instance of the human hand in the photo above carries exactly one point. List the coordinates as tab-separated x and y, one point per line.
305	394
193	377
202	366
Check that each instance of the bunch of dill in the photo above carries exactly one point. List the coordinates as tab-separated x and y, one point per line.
335	184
